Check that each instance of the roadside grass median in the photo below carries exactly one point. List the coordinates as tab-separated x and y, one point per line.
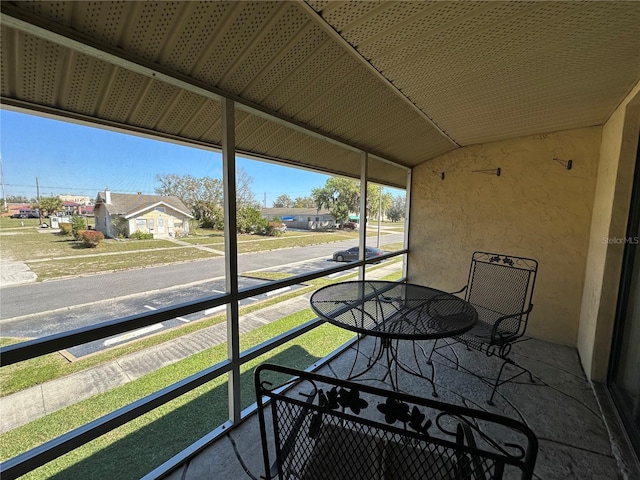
144	443
64	267
35	371
258	243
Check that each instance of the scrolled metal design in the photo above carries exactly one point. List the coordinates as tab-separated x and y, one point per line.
504	350
515	452
341	422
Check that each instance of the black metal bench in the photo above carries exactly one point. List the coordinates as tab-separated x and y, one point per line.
315	427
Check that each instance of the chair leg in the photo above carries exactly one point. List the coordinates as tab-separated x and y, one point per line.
433	348
433	368
498	382
495	385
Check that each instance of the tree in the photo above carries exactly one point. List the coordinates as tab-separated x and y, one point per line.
204	196
18	199
340	196
283	201
191	190
304	202
396	210
48	205
374	202
250	220
244	194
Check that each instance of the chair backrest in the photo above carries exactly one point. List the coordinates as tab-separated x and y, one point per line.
322	428
502	285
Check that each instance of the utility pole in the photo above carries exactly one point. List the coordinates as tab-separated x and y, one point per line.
4	191
38	200
265	200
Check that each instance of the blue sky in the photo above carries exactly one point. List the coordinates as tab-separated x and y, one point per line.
79	160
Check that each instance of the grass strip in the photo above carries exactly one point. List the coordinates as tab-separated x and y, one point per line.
35	371
134	449
99	264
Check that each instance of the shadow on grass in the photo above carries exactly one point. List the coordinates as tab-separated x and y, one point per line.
174	429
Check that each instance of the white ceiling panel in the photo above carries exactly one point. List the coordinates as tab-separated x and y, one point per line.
404	81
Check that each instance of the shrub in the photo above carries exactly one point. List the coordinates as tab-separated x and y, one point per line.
65	228
119	227
138	235
77	225
274	229
91	238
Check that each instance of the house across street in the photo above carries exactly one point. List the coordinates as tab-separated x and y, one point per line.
122	214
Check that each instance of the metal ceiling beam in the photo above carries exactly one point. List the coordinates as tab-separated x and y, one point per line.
338	38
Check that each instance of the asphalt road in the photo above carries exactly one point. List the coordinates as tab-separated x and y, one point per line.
60	300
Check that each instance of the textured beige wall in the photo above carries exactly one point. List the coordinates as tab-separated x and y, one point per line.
610	215
536	208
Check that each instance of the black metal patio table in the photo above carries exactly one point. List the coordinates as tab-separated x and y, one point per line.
392	311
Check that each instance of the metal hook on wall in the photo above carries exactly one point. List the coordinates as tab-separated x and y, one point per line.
567	163
440	174
491	171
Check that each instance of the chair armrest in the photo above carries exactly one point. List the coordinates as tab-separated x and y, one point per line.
494	330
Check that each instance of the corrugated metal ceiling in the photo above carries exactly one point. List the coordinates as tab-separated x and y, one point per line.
404	81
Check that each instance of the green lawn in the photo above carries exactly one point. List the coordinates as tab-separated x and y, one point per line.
137	447
17	223
96	264
31	245
256	243
51	255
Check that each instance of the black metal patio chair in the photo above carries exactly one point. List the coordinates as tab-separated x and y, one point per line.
315	427
500	288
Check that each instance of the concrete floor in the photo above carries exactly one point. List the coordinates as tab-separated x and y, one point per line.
575	426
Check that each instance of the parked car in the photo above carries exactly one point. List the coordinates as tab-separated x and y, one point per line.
352	254
350	226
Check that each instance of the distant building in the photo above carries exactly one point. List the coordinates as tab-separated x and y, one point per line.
302	218
120	213
77	199
72	208
15	209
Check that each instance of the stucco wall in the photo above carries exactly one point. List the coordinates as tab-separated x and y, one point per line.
610	215
536	208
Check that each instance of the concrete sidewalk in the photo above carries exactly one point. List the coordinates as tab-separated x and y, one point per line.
15	273
22	407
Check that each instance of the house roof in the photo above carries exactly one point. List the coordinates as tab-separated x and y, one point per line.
317	82
295	211
129	205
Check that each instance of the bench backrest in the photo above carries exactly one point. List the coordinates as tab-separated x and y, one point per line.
325	428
